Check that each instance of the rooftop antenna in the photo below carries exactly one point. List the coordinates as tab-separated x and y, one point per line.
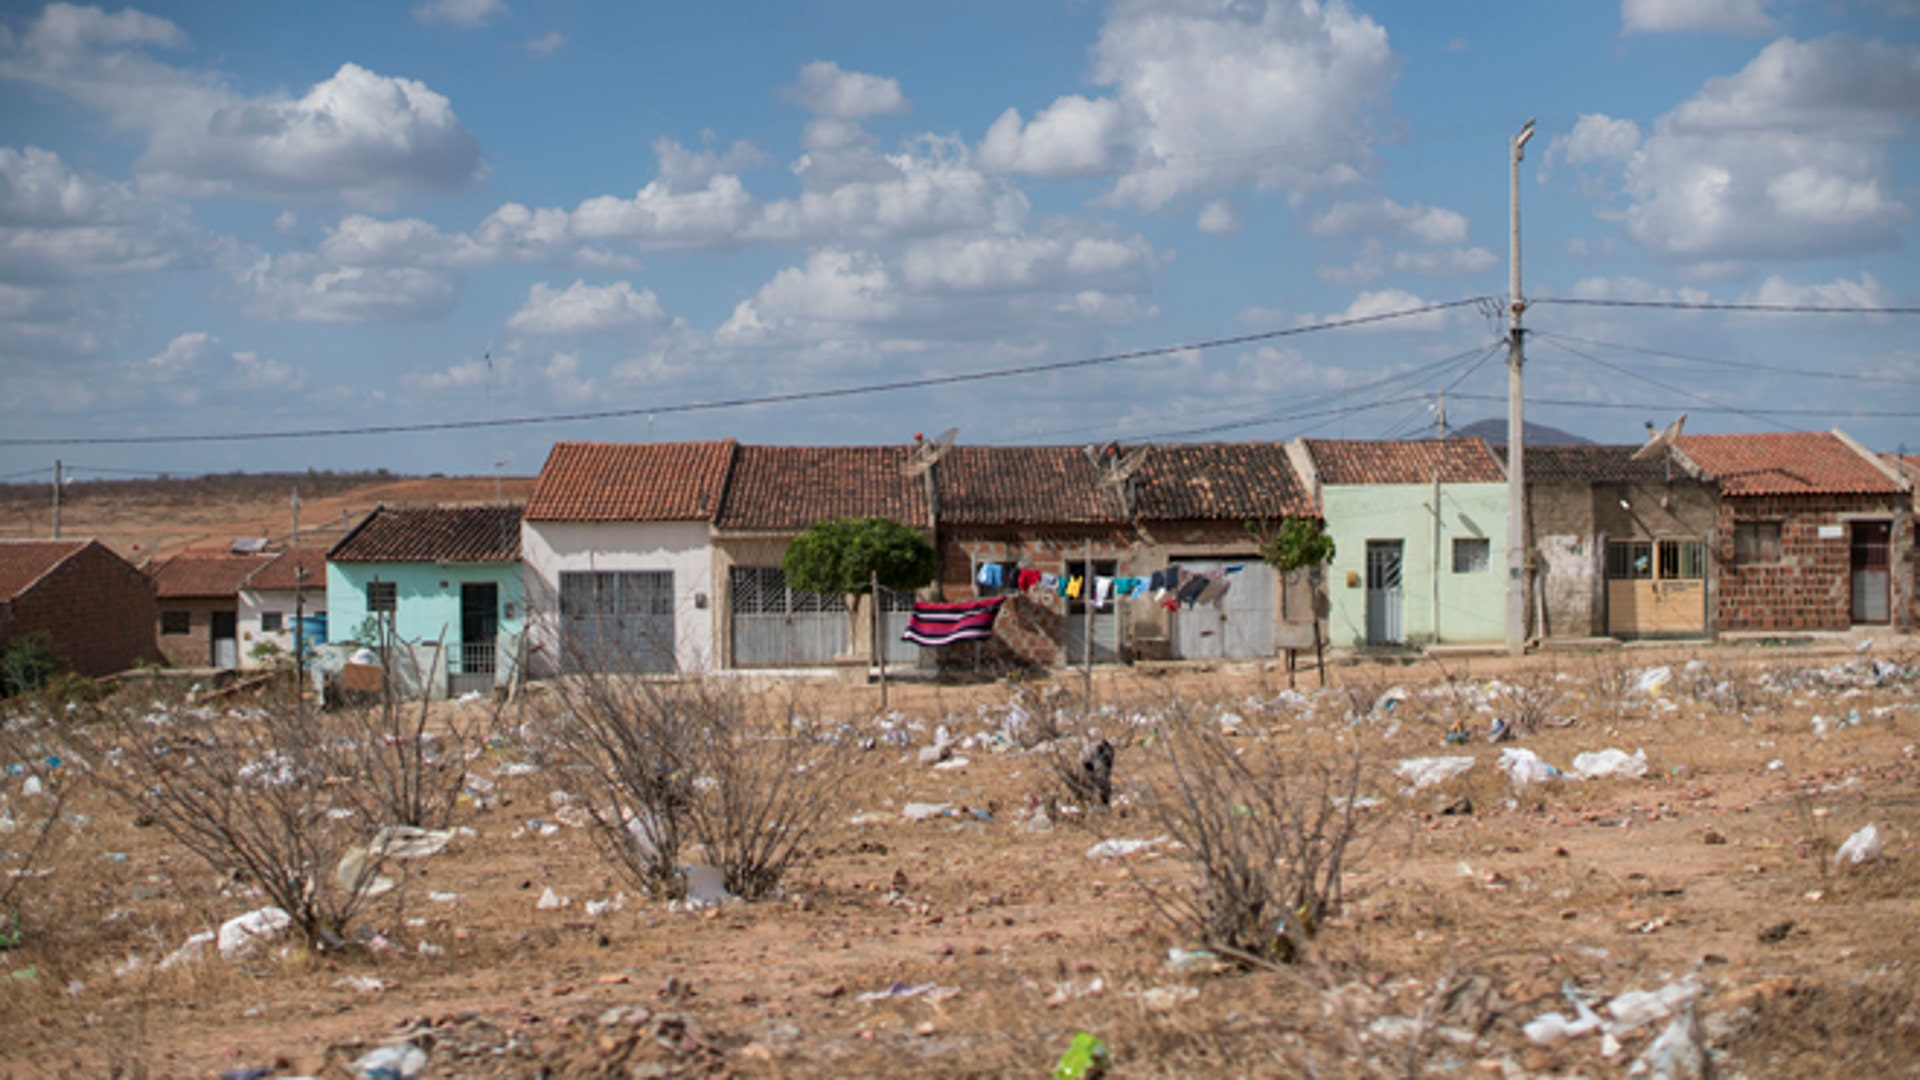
493	427
1120	470
1658	441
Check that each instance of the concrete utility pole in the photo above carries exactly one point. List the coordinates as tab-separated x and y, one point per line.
1516	425
56	498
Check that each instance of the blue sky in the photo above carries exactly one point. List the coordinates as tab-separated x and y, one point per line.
233	218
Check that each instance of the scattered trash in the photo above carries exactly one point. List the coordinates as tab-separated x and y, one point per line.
597	908
1605	763
443	897
1859	849
1195	961
952	764
1120	849
1087	1058
920	811
190	951
1425	772
1637	1007
1675	1055
706	887
1166	998
1525	767
1652	680
401	1061
552	901
31	786
901	990
1069	991
361	984
241	935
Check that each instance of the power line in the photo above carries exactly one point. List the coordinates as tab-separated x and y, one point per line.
1669	388
1865	414
1741	365
741	402
1684	305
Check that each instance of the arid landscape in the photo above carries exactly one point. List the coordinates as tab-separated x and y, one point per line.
977	942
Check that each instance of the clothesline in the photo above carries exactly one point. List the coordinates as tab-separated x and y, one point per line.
1172	588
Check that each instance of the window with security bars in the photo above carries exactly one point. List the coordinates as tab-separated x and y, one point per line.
272	622
1630	560
1756	542
1472	554
612	594
1683	560
382	596
762	590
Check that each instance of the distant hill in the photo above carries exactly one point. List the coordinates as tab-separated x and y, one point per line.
1495	432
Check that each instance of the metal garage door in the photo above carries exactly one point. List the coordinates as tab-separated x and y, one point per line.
1241	628
775	626
617	621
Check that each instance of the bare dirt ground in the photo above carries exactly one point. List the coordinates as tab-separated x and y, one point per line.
1471	907
154	519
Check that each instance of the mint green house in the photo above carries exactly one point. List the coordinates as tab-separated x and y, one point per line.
1419	530
446	579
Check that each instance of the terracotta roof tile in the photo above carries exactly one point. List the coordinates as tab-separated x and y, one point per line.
788	488
1219	481
1593	465
632	482
204	574
1785	463
1023	485
278	575
1378	461
461	534
23	562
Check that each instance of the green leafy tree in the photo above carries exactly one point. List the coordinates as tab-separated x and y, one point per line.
845	555
1299	544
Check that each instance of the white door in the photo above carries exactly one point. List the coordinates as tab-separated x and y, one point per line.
1241	626
1384	594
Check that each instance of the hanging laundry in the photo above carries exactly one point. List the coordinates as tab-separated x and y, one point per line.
989	575
1073	587
1215	589
937	624
1141	586
1061	588
1028	579
1190	589
1102	591
1049	582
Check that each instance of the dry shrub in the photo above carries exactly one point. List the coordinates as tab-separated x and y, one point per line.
267	796
29	754
666	764
410	772
1265	836
1529	698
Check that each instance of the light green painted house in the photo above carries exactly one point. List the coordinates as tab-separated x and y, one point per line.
1419	529
449	579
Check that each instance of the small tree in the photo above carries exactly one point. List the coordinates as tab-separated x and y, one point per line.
846	555
1299	543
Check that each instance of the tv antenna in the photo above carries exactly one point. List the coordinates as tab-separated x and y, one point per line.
924	457
1659	441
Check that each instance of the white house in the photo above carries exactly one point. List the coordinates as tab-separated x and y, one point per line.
270	599
618	558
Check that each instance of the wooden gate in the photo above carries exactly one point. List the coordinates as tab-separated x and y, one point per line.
1656	588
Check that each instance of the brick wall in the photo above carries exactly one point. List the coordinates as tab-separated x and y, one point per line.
193	649
97	609
1811	586
1031	626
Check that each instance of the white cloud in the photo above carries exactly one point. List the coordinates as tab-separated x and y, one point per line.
1473	260
357	134
933	191
1595	137
825	90
1719	16
1786	159
308	288
1218	218
1072	137
181	357
1104	309
467	14
56	223
659	217
265	373
1271	94
1864	293
1066	258
584	309
835	288
1429	224
547	44
1633	288
565	382
685	169
1383	302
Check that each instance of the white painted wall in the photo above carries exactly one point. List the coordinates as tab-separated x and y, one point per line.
253	603
547	548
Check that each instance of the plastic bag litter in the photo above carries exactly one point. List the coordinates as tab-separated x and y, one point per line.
1087	1058
1120	849
401	1061
551	901
191	950
1674	1055
1636	1007
706	887
1861	848
1652	680
1603	763
1425	772
242	934
1525	767
921	811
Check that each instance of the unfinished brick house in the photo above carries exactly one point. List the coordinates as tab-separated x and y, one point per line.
1814	532
96	609
198	594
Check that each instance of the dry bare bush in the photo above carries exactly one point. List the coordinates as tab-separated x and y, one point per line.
1265	837
29	754
1530	697
265	795
662	765
410	770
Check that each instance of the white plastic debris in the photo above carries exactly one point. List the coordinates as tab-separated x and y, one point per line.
952	764
1120	849
920	811
1636	1007
1652	680
190	951
1549	1028
1604	763
1525	767
1166	998
551	901
706	887
401	1061
242	934
1425	772
360	984
30	786
1861	848
1675	1055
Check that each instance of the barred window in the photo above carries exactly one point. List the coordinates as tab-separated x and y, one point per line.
1472	554
271	622
382	596
1756	542
174	623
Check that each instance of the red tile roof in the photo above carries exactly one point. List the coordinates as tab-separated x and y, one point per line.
1219	481
632	482
1374	461
1583	465
1785	463
1023	485
458	534
195	574
788	488
278	575
23	562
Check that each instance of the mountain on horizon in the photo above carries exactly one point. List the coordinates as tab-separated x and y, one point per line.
1494	431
